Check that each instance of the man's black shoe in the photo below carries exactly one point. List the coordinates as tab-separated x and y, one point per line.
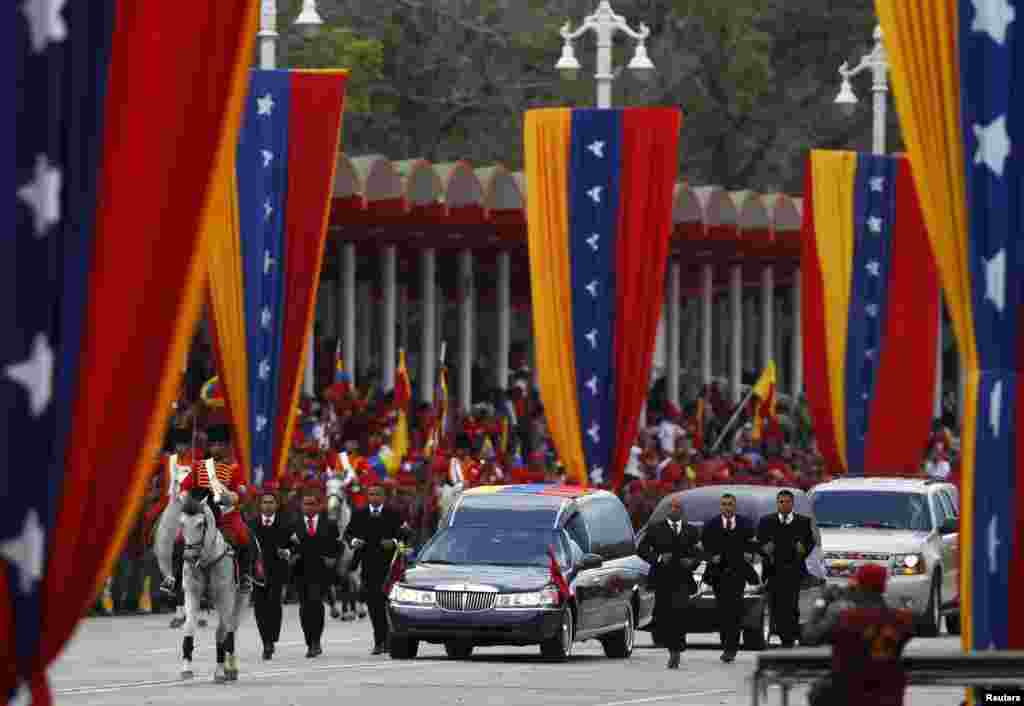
379	649
314	651
728	656
673	660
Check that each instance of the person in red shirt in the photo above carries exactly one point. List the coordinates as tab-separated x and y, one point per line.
229	518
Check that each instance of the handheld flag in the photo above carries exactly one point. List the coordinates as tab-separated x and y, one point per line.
764	390
599	218
115	129
396	572
870	318
402	397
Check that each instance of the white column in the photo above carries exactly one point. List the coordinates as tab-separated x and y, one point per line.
347	297
309	378
750	339
675	283
781	325
767	315
442	312
504	341
736	324
467	289
329	317
402	318
388	317
722	359
428	329
707	282
796	376
268	34
938	364
366	331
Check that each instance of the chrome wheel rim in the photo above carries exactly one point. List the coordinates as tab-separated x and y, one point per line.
567	632
630	631
766	624
936	609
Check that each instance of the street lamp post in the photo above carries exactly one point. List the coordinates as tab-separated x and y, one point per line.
605	23
877	62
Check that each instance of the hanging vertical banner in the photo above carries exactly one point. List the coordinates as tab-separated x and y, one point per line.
266	257
600	205
870	302
121	126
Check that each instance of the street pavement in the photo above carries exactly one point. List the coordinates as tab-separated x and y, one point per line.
135	660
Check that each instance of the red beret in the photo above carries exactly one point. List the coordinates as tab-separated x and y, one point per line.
871	576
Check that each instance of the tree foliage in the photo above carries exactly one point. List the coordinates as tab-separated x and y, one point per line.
450	79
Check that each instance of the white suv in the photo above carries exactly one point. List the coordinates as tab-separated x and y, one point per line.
909	526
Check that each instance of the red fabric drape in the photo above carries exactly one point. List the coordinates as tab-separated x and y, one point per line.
650	158
816	378
165	90
901	408
314	133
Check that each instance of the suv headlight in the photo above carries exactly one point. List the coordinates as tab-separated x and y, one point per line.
909	565
545	598
402	594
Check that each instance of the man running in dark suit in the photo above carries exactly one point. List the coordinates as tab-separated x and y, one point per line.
670	547
786	538
318	546
729	547
375	532
273	533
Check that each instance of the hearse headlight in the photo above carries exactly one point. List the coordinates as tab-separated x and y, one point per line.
545	598
412	596
909	565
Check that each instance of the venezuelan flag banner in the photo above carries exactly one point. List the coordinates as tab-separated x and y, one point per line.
402	398
121	122
267	252
599	216
963	122
764	390
870	313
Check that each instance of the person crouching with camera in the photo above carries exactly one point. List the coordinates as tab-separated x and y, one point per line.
867	639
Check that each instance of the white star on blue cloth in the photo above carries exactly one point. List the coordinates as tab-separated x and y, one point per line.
993	145
874	268
265	317
869	354
35	375
45	23
993	545
597	147
268	156
592	337
877	183
265	105
875	224
592	241
993	17
865	396
591	385
42	195
594	432
267	209
871	310
995	407
595	193
597	475
27	551
264	369
592	288
995	279
257	474
261	423
268	262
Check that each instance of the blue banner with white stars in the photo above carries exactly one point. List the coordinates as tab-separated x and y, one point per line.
874	215
992	115
262	169
594	168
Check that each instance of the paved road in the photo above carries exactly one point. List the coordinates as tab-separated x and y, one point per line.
132	661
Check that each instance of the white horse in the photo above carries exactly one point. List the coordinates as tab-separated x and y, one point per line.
208	560
339	510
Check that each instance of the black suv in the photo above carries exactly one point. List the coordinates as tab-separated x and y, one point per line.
486	578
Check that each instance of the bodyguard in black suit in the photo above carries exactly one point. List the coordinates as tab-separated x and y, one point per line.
317	545
729	548
786	538
273	532
374	533
671	548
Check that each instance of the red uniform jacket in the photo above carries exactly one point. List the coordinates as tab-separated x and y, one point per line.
866	655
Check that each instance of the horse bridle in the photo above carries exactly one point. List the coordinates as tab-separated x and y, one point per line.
201	544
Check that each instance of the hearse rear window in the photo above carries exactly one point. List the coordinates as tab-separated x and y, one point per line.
466	514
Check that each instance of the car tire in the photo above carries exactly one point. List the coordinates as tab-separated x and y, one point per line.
953	623
757	639
931	621
619	645
403	648
457	649
559	647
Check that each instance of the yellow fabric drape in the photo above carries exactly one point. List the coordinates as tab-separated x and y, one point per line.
546	150
833	176
920	37
224	257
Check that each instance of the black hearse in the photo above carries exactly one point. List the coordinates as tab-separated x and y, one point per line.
485	578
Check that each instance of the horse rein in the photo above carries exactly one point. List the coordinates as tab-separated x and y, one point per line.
201	544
